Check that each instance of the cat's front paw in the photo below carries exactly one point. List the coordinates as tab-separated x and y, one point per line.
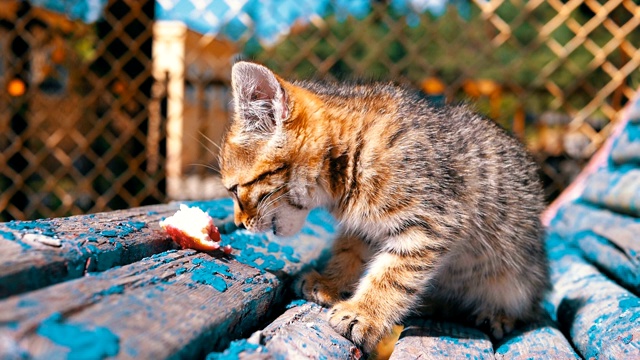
314	287
352	321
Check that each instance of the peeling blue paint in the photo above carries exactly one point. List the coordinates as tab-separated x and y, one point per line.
138	225
295	303
41	227
116	289
7	235
123	229
234	350
273	247
288	253
628	303
108	233
83	342
205	272
219	209
28	303
323	219
255	258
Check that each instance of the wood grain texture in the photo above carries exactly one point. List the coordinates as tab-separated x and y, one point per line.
427	339
87	243
615	190
626	149
179	304
154	308
600	316
302	332
541	340
605	238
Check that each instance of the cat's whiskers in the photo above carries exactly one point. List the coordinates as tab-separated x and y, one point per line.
266	198
271	211
210	141
269	207
204	145
216	170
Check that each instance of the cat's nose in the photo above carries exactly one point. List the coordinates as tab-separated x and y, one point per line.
240	219
240	222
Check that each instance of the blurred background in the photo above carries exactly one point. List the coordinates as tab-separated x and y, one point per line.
109	104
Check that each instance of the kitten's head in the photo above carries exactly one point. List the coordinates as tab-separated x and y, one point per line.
263	156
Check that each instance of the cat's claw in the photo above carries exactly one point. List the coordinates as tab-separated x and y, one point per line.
352	322
314	287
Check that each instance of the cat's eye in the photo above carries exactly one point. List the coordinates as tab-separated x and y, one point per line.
234	190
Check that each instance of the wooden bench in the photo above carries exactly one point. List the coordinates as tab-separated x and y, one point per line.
114	285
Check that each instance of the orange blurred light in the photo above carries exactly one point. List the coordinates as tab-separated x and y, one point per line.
58	55
118	87
16	87
433	86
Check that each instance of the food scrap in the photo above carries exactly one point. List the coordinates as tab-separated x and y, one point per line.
192	228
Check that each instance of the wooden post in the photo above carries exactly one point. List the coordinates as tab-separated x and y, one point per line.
169	64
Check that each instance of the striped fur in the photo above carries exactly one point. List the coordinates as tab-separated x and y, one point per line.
439	207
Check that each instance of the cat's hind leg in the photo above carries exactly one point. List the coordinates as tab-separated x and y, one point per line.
341	274
502	299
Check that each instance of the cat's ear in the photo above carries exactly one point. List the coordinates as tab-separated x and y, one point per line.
260	99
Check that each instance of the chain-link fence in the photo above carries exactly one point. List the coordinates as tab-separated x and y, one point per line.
74	118
83	125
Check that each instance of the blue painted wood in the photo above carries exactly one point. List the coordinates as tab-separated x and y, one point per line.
605	238
617	189
173	304
600	316
43	252
423	338
540	340
302	332
170	304
594	251
626	150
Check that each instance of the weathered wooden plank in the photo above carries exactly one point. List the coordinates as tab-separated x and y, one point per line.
174	304
428	339
605	238
615	190
600	316
540	340
632	111
154	308
43	252
626	149
302	332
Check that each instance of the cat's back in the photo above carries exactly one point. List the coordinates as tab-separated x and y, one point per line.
413	157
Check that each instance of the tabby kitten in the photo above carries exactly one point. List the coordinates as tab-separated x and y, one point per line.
439	208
